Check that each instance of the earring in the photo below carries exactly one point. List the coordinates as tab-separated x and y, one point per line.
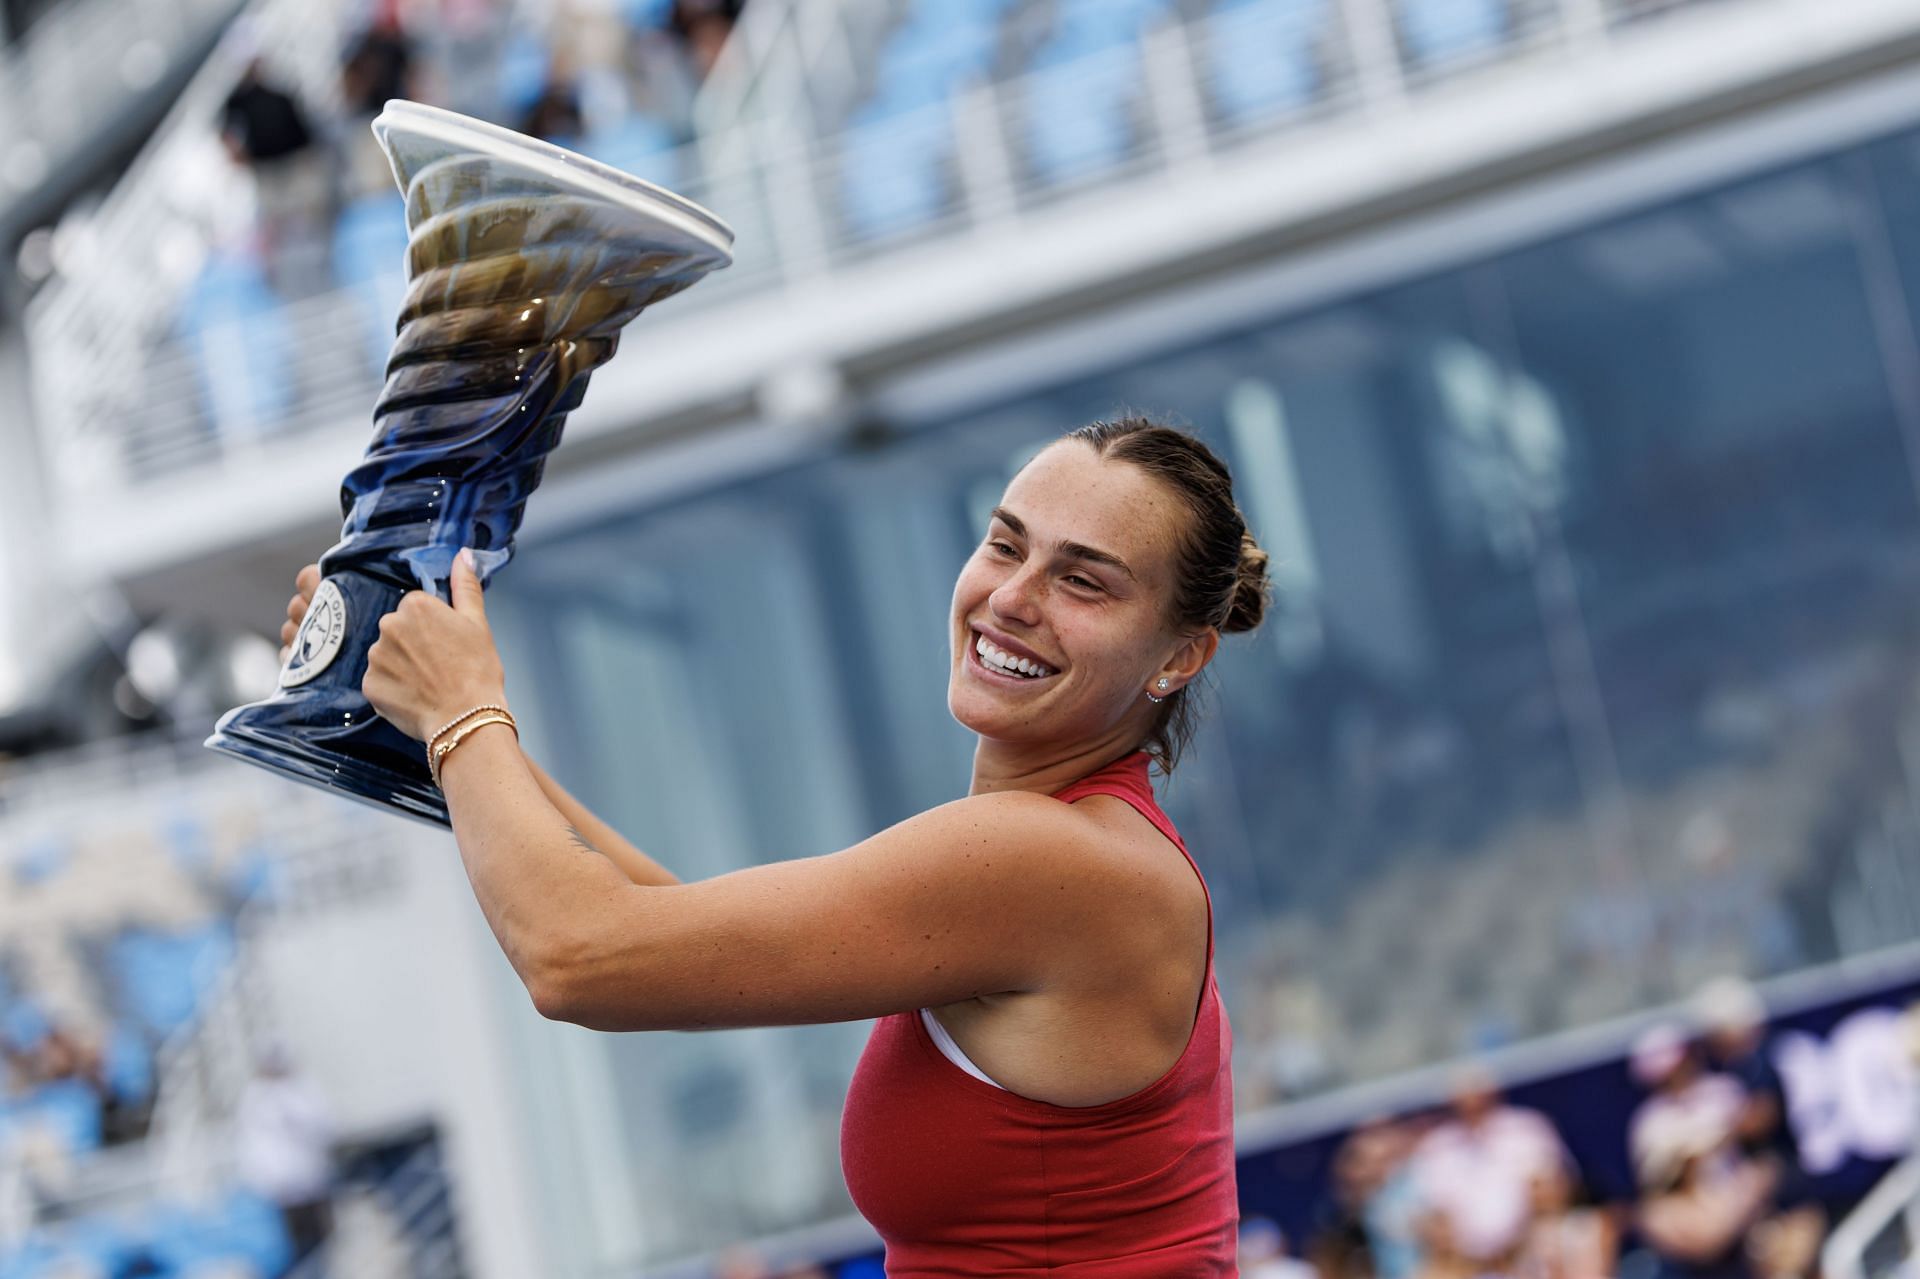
1162	686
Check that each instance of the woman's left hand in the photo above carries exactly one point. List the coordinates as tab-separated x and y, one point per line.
434	660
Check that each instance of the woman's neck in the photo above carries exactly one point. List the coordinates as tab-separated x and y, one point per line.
1005	766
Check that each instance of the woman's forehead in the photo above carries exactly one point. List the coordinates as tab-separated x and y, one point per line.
1069	493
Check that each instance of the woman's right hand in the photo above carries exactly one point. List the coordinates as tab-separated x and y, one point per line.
305	583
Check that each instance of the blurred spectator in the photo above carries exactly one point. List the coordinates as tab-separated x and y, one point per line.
283	1137
1566	1240
703	26
1683	1098
555	114
1263	1252
1700	1197
1340	1248
1475	1173
378	66
1734	1026
1733	1021
741	1263
265	131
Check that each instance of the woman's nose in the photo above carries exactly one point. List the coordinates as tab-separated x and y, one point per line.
1018	597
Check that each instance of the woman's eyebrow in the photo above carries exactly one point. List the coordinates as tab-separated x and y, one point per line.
1073	550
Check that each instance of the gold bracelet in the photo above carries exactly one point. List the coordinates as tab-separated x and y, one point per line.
458	719
438	759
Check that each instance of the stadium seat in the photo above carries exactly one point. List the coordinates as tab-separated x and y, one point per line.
369	258
238	332
1263	57
639	145
1077	111
894	173
160	976
1442	31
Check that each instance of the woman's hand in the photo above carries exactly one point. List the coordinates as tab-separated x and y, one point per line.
433	660
305	583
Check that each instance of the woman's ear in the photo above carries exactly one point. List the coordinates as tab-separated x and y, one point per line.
1189	659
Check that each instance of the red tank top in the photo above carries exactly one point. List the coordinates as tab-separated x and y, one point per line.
962	1178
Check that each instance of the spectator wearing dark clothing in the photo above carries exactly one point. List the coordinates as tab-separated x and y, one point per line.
378	67
266	132
261	123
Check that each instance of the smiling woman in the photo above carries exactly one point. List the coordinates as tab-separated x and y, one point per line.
1039	954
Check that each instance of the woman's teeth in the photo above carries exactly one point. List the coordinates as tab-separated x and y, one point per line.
1000	660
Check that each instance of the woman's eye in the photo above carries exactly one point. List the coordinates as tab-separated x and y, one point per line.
1078	580
1001	547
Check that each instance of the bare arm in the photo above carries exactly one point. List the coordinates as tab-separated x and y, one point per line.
595	834
585	828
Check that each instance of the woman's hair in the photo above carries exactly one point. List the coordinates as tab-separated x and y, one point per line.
1221	574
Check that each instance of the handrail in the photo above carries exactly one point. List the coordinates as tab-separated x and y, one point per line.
126	400
1893	1203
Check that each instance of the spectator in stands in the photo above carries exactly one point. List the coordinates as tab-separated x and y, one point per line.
1368	1229
1680	1091
283	1137
555	114
378	66
1700	1197
1565	1239
1264	1255
1734	1026
1475	1172
703	27
265	131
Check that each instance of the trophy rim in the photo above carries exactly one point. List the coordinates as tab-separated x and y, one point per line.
568	167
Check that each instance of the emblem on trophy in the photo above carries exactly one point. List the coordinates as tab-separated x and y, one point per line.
524	262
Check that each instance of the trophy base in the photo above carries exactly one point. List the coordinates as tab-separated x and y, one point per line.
291	755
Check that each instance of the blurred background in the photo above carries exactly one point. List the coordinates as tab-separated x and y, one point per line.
1561	822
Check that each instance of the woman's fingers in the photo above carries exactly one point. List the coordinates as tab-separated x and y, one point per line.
307	581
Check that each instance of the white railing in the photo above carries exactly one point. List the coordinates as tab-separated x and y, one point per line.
79	65
126	401
1881	1238
201	1070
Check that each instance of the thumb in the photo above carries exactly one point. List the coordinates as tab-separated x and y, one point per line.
465	587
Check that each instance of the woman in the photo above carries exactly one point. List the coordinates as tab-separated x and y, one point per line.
1047	1087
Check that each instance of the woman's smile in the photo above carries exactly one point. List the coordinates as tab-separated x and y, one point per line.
1006	662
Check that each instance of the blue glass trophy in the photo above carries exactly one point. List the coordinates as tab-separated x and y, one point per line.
524	261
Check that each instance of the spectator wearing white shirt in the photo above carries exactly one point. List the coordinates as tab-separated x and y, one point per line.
283	1147
1682	1095
1475	1172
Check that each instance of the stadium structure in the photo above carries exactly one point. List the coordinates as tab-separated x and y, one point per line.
1565	351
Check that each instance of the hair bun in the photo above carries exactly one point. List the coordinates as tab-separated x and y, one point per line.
1251	588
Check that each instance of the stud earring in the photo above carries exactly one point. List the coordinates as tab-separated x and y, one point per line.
1162	686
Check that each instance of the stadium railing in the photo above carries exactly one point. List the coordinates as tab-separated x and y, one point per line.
128	398
1880	1239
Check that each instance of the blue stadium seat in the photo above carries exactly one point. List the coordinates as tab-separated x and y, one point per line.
160	975
248	1226
1078	111
23	1024
522	77
70	1108
238	330
127	1064
369	257
1263	58
1441	31
639	145
894	173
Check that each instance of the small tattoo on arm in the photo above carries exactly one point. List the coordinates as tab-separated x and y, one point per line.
583	841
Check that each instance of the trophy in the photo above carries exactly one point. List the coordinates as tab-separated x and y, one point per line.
524	261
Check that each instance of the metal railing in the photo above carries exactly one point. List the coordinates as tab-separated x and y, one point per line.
128	397
1881	1238
347	859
